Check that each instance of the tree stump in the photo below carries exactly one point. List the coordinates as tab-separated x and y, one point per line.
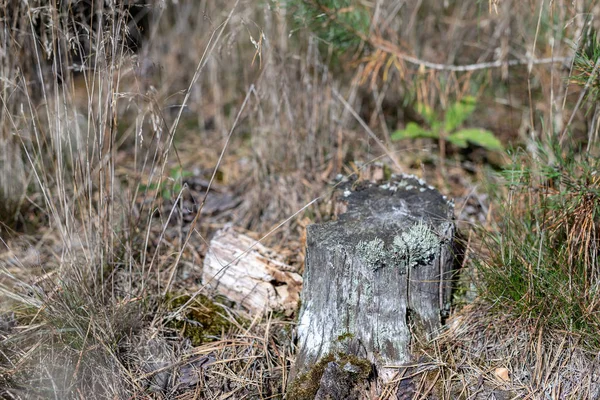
377	275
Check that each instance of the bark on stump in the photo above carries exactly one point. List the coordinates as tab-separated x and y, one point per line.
377	275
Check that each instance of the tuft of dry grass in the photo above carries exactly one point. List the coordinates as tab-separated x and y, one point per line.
541	257
85	314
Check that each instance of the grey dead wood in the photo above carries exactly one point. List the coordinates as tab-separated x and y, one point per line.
377	275
250	274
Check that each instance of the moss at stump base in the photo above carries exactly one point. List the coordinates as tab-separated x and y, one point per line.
335	376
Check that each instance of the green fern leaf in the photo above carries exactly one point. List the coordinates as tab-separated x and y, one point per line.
479	137
458	112
413	131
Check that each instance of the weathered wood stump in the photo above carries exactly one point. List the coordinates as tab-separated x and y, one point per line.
377	275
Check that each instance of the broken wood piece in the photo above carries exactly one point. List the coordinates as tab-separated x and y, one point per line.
378	275
258	281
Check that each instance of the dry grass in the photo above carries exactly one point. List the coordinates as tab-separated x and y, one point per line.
94	241
466	360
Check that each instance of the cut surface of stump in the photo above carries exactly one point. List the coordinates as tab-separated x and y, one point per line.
377	275
250	274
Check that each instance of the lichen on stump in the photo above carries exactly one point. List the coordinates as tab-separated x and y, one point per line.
379	273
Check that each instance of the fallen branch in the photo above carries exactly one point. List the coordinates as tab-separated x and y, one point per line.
393	49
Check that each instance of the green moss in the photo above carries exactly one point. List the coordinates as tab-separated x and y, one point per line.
345	336
201	321
305	387
387	173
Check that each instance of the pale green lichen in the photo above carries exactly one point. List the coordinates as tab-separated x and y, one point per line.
373	253
416	246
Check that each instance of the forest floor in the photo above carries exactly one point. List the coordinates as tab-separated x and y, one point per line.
115	178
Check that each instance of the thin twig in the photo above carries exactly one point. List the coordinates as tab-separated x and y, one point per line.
210	183
392	49
367	129
201	65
